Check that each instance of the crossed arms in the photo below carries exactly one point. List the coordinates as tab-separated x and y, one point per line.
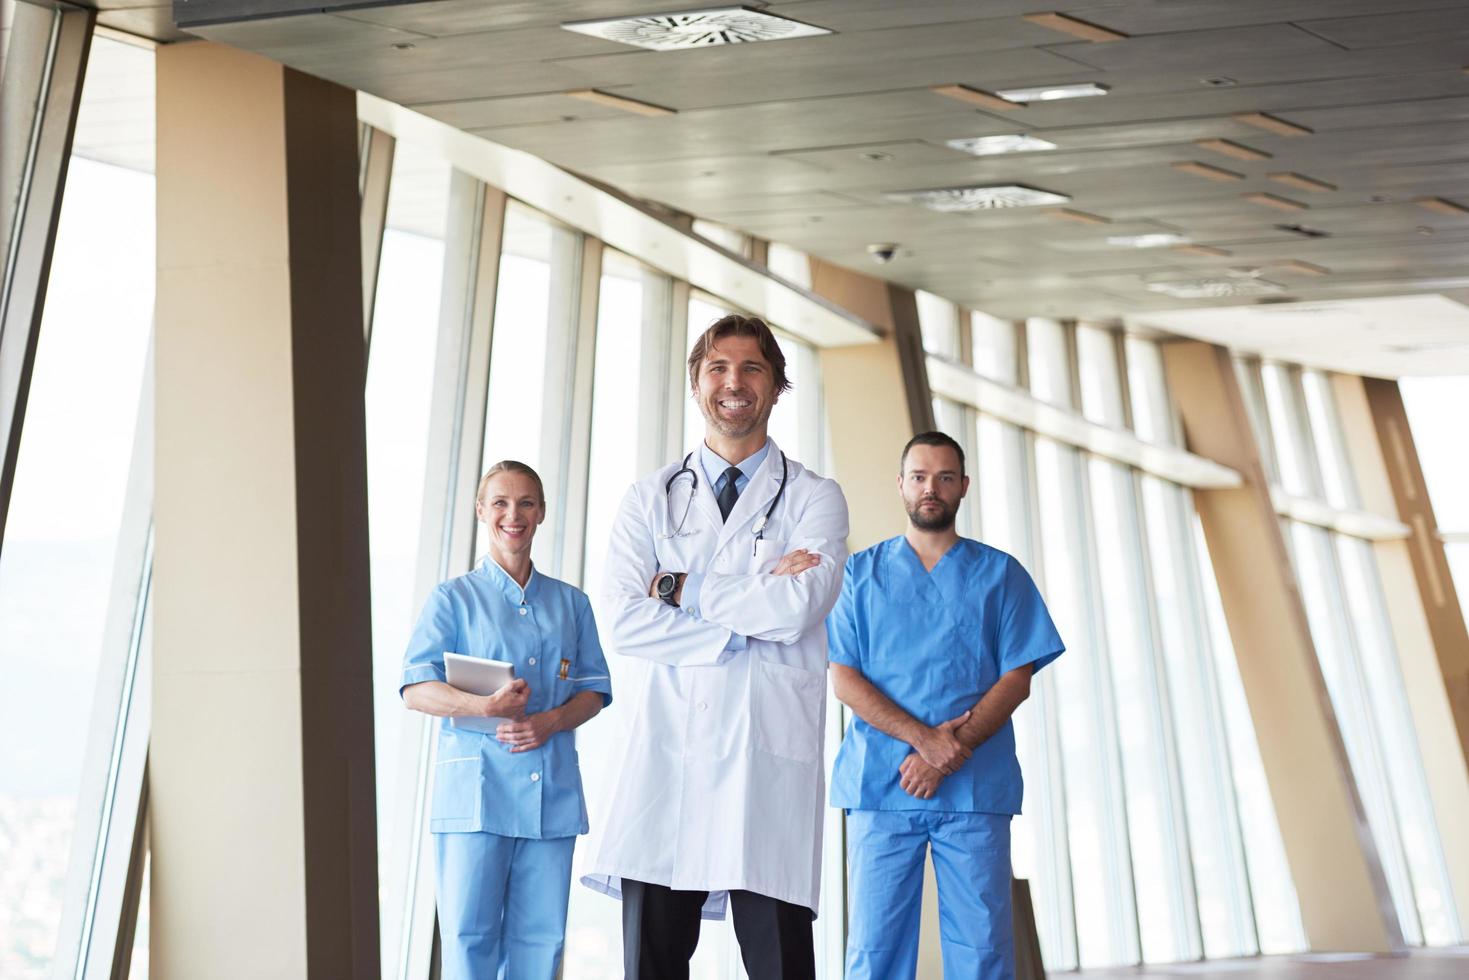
779	608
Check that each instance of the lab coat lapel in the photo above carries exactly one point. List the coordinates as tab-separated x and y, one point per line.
753	500
704	501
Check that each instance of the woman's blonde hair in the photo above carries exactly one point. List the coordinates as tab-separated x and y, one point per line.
509	466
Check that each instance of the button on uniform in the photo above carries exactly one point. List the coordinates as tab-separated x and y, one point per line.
523	610
531	661
535	777
703	706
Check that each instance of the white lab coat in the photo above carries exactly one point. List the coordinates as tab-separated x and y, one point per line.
722	782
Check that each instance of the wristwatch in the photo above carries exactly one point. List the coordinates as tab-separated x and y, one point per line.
667	586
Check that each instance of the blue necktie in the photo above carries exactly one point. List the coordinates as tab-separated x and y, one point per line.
730	493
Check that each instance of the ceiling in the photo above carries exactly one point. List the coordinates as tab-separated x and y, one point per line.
800	140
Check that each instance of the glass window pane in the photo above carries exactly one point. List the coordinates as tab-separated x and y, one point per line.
735	241
996	346
1215	848
594	930
938	319
703	311
1100	866
535	315
789	263
400	375
67	503
1437	408
1272	890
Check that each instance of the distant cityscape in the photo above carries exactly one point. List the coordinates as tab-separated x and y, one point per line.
35	841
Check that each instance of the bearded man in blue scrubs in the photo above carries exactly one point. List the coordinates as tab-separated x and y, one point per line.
932	644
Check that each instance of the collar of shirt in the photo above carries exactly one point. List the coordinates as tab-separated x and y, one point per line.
508	587
714	466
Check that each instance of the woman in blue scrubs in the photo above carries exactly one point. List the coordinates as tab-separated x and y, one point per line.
507	807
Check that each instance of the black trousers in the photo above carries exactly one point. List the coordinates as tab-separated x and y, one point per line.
660	931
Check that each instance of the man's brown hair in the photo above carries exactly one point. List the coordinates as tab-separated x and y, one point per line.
736	325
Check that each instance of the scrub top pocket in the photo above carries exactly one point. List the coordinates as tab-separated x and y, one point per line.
457	794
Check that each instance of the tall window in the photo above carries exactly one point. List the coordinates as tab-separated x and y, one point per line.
60	566
1348	617
398	394
1436	410
1143	781
531	359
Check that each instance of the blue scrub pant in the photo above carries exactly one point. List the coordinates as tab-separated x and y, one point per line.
971	863
502	905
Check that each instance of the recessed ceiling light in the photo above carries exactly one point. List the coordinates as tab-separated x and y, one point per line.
1272	124
1275	201
975	96
978	198
635	106
696	28
1207	171
983	146
1232	149
1301	182
1075	27
1050	93
1215	288
1151	240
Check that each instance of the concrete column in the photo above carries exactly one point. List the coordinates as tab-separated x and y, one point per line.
877	398
262	813
1423	607
1343	895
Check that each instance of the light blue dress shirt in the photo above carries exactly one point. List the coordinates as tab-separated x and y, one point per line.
479	785
934	643
713	467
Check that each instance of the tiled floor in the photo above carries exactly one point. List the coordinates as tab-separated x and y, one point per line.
1438	964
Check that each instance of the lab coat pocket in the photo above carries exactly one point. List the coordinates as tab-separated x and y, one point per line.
457	794
767	553
786	710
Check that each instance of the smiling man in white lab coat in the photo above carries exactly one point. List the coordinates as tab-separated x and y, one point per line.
721	569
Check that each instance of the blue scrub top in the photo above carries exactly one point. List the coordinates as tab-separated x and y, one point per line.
479	785
934	643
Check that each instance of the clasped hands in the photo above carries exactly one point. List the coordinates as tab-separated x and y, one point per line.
792	564
937	753
522	732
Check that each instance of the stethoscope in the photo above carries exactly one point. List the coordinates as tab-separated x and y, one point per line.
760	525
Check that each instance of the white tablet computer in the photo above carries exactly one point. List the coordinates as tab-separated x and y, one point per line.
477	676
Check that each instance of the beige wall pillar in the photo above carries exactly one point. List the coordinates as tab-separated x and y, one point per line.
1427	620
1343	894
262	807
876	398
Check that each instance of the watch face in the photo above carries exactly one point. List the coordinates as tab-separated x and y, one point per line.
666	584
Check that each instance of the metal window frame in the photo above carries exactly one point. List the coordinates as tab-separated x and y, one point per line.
374	183
41	92
106	864
473	237
1157	701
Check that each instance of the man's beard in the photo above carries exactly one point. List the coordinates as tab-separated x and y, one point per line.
939	520
735	430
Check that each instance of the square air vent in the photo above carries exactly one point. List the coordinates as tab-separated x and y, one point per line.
978	198
696	28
